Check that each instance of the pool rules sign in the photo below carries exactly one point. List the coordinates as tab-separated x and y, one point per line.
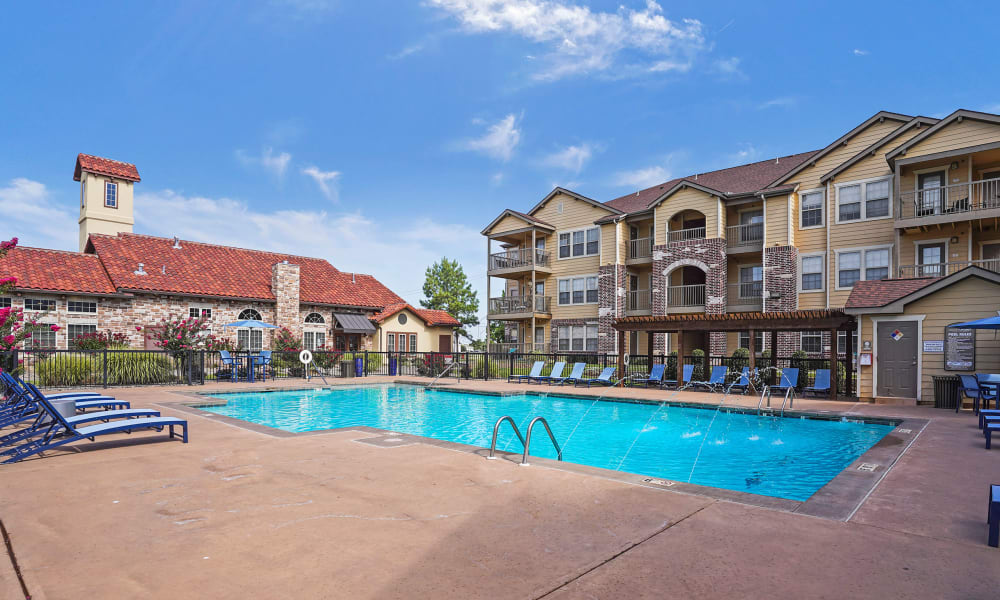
959	349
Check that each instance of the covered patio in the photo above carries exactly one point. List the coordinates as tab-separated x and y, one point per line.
754	324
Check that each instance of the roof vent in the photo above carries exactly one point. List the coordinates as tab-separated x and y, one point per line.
139	271
163	269
776	161
177	243
353	279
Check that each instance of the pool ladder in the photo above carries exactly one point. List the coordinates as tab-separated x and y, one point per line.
525	441
789	399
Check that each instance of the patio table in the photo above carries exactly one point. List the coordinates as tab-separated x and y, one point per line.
992	381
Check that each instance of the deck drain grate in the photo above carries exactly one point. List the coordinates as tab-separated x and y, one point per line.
867	467
904	430
658	482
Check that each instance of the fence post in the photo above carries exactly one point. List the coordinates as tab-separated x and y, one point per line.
364	365
468	373
202	368
105	367
188	358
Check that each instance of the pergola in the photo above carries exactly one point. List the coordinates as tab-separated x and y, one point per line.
753	323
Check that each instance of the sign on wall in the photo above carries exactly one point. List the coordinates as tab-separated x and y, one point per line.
959	349
934	346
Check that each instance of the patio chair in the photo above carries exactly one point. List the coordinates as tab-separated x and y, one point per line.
655	376
605	378
821	385
62	432
993	517
263	360
715	380
576	373
536	371
786	385
229	362
988	392
969	389
743	384
555	373
686	374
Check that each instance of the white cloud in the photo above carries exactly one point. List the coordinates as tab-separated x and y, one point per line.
571	158
407	51
326	180
729	67
780	102
642	178
499	140
859	52
30	215
496	179
275	163
578	41
746	154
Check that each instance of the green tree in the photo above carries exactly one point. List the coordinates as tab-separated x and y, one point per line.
447	288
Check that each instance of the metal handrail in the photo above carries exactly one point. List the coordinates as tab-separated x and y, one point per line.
640	247
968	197
638	300
789	398
765	392
947	268
527	443
496	429
686	295
748	234
443	373
683	235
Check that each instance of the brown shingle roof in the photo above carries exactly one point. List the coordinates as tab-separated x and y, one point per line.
873	294
104	166
56	270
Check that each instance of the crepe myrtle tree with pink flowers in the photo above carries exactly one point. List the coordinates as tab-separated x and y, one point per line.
14	328
178	336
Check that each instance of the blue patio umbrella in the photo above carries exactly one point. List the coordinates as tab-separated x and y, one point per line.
987	323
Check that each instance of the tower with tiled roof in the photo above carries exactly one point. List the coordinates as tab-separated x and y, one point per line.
105	196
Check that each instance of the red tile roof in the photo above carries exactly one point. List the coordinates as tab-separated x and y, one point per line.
104	166
873	294
733	180
431	317
210	270
56	270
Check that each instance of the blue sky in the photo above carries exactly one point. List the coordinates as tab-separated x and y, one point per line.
384	134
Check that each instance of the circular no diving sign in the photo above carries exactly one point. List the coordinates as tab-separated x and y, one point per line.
305	357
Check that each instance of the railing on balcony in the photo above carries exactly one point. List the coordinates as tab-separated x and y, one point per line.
942	269
510	305
638	301
518	258
683	235
743	236
747	293
516	347
959	198
681	296
640	248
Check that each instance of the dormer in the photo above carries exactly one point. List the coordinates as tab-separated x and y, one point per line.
105	196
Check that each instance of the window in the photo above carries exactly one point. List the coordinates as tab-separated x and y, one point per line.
39	304
250	339
413	342
196	312
863	200
75	330
390	342
402	318
4	302
315	318
812	208
811	342
579	290
110	194
842	342
868	264
758	342
42	338
577	338
812	272
313	340
81	306
583	242
249	314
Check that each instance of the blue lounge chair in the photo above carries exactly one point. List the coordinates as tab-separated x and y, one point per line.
605	378
655	376
556	373
229	362
17	389
686	374
62	432
536	371
715	380
575	374
25	406
821	385
743	383
789	379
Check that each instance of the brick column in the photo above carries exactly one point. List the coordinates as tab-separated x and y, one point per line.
611	288
285	287
709	255
781	267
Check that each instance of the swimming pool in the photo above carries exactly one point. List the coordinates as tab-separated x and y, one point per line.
772	456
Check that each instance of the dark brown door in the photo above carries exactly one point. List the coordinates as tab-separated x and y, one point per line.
930	188
897	359
444	343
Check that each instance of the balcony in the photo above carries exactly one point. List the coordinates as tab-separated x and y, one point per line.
640	251
638	303
516	347
744	238
747	296
943	269
949	204
509	308
517	261
683	235
686	298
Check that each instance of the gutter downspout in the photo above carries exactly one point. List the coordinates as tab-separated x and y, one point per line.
829	223
763	262
618	261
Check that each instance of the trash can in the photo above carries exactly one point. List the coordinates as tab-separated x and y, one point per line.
347	368
393	366
359	367
946	391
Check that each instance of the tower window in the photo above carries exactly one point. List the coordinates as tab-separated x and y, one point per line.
110	194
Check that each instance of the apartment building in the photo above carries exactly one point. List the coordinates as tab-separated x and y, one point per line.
897	197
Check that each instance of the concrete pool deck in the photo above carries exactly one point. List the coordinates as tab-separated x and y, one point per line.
238	513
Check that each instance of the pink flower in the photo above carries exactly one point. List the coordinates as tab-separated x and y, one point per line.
9	340
138	328
55	328
179	336
8	281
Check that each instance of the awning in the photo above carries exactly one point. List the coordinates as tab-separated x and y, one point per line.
354	323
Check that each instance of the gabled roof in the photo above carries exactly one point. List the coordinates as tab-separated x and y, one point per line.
530	220
558	190
892	295
56	271
431	317
877	117
873	149
958	115
104	166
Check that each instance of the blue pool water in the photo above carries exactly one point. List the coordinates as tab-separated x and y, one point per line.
783	457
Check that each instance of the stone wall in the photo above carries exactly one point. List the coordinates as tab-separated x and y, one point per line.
285	287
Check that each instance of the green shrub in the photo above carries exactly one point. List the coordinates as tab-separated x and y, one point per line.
699	365
139	368
671	371
66	370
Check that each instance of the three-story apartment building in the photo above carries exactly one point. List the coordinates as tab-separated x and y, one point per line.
898	197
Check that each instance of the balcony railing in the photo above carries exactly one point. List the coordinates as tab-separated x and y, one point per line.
959	198
516	347
638	301
744	236
681	296
510	305
519	258
683	235
747	293
942	269
640	248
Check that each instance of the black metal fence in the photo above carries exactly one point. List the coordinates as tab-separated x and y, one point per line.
112	368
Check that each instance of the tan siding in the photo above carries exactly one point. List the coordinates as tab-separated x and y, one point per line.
865	372
687	199
875	166
509	223
955	136
777	221
958	251
611	243
856	235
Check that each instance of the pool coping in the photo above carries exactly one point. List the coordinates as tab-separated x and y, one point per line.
838	500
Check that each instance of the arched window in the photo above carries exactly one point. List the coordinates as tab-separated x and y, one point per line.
249	314
315	318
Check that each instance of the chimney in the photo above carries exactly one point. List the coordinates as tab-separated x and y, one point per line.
285	287
177	243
